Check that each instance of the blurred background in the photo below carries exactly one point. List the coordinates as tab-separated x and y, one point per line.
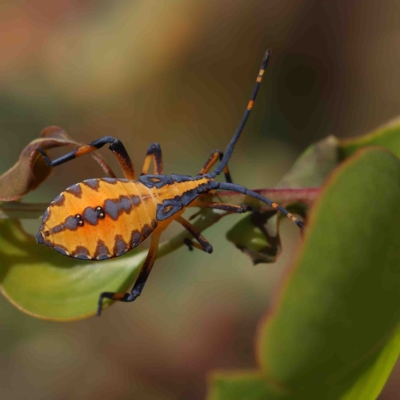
180	73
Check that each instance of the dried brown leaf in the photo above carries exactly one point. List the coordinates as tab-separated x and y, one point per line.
31	170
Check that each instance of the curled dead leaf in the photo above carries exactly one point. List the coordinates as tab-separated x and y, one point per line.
31	170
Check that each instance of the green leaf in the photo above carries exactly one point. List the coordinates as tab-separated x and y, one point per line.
340	303
256	237
319	160
313	166
45	284
254	385
373	379
387	136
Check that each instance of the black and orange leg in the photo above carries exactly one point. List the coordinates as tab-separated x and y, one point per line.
241	189
214	157
153	154
140	281
116	147
203	242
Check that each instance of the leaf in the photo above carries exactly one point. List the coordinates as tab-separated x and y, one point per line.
45	284
31	170
319	160
313	166
310	171
257	234
340	303
253	385
373	379
387	136
256	237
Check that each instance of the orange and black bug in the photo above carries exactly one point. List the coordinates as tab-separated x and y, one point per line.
103	218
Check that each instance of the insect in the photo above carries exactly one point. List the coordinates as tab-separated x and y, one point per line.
98	219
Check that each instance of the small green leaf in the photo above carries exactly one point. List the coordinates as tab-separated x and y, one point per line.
340	304
48	285
387	136
257	237
313	166
260	240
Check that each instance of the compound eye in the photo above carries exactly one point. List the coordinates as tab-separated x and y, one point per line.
79	219
100	212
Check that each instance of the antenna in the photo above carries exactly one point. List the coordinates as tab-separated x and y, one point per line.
231	145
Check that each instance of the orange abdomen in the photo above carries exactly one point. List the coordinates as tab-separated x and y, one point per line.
104	218
99	218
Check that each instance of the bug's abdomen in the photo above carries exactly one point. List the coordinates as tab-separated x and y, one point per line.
99	219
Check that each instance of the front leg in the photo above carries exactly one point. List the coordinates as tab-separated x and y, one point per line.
116	147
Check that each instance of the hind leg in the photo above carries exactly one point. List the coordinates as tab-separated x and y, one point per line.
140	281
202	244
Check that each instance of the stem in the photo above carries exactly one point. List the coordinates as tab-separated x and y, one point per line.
18	210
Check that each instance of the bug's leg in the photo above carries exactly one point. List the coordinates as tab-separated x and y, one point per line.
203	242
214	157
241	189
153	153
140	281
116	147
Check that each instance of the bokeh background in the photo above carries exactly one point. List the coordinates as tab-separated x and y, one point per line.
179	72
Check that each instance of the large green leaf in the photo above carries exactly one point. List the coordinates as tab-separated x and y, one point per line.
340	303
45	284
254	385
370	382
